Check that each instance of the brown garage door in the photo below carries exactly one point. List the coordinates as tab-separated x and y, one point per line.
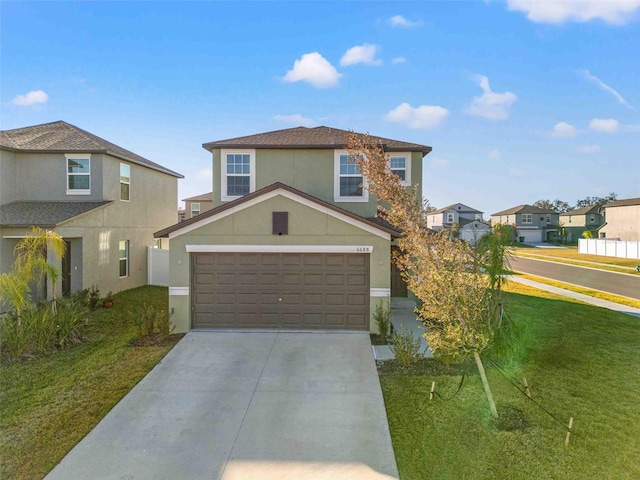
280	290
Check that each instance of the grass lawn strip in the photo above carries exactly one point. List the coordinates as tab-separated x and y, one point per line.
630	302
579	360
48	404
572	257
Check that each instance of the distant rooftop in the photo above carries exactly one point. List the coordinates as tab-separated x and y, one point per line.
523	209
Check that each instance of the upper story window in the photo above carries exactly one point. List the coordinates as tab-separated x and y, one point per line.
479	216
400	164
195	209
451	217
527	218
78	174
125	182
548	218
238	171
349	184
592	219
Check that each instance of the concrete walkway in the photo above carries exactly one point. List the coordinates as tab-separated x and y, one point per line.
618	307
249	405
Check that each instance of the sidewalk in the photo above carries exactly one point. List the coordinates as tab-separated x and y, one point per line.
579	296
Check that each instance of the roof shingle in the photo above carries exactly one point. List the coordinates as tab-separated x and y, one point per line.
523	209
44	214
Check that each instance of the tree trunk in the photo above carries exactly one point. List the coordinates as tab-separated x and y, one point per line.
485	383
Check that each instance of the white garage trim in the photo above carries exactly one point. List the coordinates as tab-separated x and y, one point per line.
380	292
279	248
291	196
179	291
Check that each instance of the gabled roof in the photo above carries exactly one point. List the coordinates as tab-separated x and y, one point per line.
258	193
627	202
582	211
312	138
44	214
62	137
523	209
205	197
466	210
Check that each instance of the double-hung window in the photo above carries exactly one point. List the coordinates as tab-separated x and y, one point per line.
78	174
125	182
400	164
527	218
123	257
195	209
450	217
349	183
238	173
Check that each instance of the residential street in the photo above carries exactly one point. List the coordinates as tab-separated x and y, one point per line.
627	285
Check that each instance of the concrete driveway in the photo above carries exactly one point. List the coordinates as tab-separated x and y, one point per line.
248	405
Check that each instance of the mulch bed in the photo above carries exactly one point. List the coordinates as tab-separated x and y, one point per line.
155	340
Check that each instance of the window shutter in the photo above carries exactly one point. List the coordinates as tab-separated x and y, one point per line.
280	223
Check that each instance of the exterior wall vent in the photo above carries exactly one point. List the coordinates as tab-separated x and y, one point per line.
280	223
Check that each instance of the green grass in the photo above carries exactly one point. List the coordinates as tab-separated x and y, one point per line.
570	256
48	404
579	360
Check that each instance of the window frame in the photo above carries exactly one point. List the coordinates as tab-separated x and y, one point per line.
191	208
529	216
128	182
126	258
336	181
77	156
452	216
223	171
407	166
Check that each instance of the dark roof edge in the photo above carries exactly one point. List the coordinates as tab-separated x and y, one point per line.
210	146
274	186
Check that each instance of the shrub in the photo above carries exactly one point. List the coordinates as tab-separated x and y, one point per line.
382	317
164	325
14	338
40	323
405	347
69	317
94	297
145	320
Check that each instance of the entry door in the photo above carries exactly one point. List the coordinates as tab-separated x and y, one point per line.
66	269
398	285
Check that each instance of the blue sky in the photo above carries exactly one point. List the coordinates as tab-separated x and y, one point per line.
519	100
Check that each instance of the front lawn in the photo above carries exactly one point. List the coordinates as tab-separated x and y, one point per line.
48	404
571	256
579	360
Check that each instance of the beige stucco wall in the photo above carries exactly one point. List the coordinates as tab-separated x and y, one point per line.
204	206
622	223
8	177
253	226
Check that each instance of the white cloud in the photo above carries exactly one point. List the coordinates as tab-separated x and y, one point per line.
422	117
361	54
295	119
587	149
564	130
606	88
494	154
615	12
491	105
604	125
313	68
437	162
400	21
31	98
516	172
398	60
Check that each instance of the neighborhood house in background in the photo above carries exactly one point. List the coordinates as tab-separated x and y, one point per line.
462	221
575	222
622	220
532	224
196	205
292	241
105	202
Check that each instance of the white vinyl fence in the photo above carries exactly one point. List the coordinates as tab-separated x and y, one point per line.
157	267
609	248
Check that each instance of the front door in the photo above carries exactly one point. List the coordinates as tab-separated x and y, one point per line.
66	269
398	285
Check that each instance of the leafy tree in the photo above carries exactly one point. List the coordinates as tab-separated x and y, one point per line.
557	205
599	201
31	268
587	234
459	286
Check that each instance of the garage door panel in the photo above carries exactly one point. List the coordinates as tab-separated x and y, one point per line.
276	290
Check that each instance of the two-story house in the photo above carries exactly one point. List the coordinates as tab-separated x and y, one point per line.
293	240
196	205
533	224
622	220
468	221
575	222
105	201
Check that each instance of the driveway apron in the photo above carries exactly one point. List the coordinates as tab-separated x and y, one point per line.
245	405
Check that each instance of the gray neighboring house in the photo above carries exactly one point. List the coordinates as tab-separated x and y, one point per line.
575	222
196	205
104	200
533	224
622	220
445	217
